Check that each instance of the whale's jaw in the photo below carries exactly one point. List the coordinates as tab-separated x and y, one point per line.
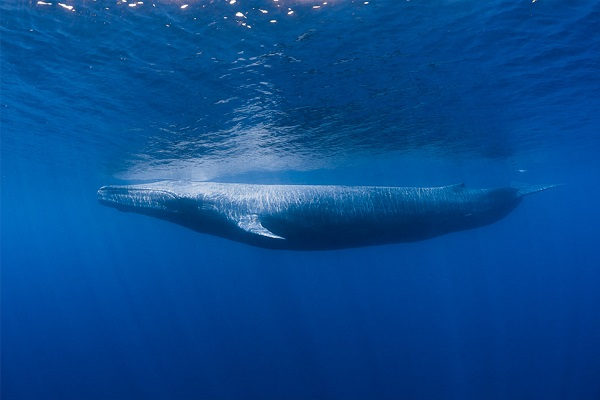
132	199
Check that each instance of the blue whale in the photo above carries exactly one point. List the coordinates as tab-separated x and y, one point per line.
310	217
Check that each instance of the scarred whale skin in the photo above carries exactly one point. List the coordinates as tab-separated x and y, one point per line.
312	217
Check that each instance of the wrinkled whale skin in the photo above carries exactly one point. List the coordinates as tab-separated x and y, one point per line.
313	217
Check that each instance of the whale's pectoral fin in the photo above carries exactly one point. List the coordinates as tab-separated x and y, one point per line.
251	223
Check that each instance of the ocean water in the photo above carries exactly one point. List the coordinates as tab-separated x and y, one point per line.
98	304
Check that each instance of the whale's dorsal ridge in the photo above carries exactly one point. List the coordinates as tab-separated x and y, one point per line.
455	186
251	223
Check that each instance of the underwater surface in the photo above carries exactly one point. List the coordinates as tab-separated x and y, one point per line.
101	304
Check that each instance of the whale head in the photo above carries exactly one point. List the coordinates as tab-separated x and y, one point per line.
173	201
139	199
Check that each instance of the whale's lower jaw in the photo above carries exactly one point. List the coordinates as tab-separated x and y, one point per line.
135	199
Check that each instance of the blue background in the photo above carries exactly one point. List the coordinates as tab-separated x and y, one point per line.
98	304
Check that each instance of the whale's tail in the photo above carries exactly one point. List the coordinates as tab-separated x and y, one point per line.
524	190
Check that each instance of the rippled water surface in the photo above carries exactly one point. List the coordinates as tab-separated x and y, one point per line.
214	87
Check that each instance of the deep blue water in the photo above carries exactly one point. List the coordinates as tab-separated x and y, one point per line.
98	304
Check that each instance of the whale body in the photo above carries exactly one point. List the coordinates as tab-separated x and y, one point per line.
313	217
